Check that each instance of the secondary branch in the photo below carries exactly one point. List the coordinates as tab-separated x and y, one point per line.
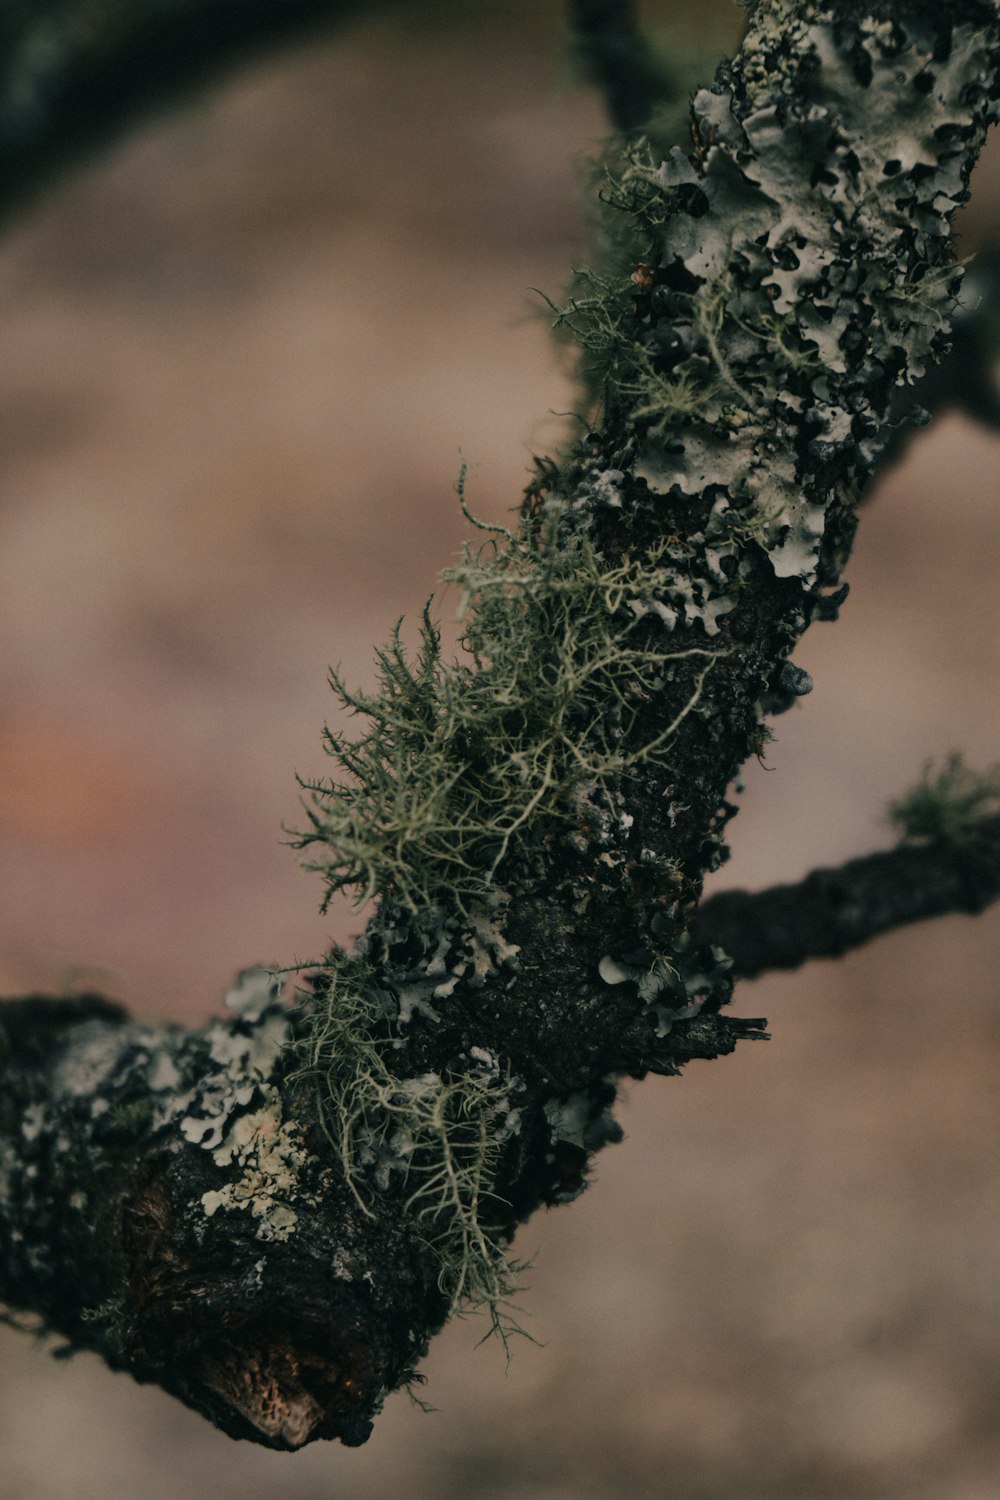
835	910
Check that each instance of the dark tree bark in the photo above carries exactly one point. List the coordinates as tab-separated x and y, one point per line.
616	55
271	1216
833	911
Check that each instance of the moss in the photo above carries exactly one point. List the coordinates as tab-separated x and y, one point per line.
947	803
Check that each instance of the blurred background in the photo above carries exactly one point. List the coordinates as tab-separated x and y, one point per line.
243	358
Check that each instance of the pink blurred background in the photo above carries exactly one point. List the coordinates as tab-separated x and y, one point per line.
243	359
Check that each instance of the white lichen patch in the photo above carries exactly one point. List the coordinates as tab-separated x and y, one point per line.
253	1051
34	1121
651	981
216	1102
244	1052
233	1107
568	1118
488	947
89	1058
255	991
582	1120
271	1156
670	992
162	1073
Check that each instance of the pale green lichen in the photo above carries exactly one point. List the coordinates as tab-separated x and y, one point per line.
441	1136
461	762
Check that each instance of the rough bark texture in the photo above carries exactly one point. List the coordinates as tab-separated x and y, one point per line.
833	911
272	1216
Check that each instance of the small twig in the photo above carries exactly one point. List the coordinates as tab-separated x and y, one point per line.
835	910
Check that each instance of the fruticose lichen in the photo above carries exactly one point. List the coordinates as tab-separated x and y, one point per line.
465	773
461	761
439	1134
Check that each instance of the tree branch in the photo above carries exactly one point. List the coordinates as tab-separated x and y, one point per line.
273	1215
835	910
617	58
75	75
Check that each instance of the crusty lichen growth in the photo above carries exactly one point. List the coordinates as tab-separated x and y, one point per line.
235	1112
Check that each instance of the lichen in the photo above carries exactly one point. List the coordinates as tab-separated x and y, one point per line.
234	1110
787	272
439	1135
270	1154
754	303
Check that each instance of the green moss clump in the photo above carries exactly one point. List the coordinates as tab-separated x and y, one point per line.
947	804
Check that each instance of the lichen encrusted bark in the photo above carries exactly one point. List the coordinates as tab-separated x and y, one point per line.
169	1201
563	789
293	1216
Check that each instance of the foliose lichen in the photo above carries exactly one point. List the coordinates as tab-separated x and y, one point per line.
789	271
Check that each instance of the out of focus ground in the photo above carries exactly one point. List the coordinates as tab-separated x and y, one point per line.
241	361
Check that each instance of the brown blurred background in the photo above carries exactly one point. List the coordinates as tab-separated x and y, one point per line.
242	358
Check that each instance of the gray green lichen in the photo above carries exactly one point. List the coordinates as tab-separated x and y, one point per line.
441	1134
792	268
461	761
